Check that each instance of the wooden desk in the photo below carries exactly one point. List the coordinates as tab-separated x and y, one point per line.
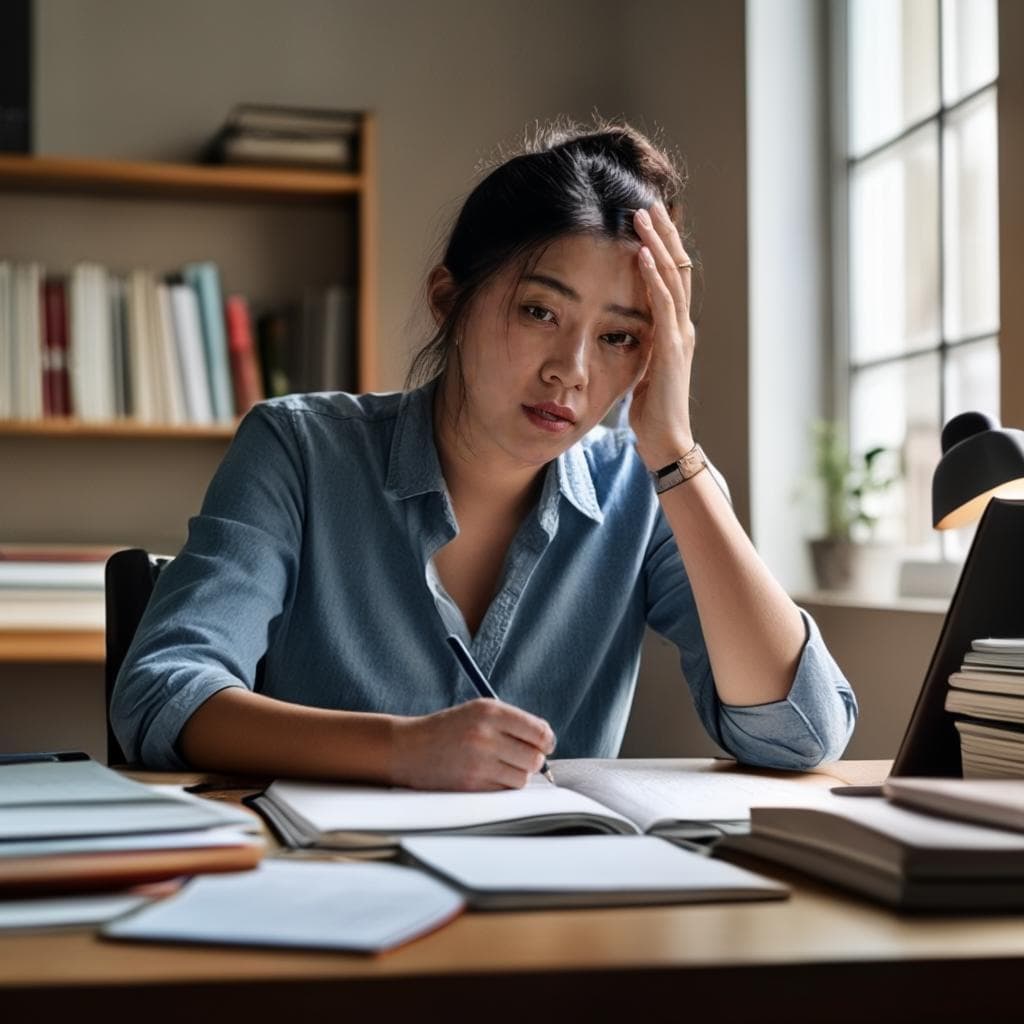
820	956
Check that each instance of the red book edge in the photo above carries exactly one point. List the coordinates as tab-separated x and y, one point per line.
245	373
56	386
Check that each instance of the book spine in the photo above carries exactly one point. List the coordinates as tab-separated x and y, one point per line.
27	332
55	371
275	335
244	369
6	342
188	332
205	278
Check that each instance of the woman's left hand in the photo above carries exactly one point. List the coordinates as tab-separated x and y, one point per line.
660	410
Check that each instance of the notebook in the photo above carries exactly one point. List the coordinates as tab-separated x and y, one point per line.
518	873
363	908
681	799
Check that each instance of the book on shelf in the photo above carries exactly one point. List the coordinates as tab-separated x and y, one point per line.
70	823
520	873
675	799
205	278
246	378
891	854
986	696
26	365
56	384
170	382
275	336
188	333
287	136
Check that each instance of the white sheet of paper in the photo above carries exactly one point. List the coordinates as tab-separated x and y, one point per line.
304	904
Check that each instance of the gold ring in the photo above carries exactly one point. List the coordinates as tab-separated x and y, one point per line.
684	266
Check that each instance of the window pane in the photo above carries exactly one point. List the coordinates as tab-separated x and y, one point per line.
894	249
893	48
971	243
896	406
972	378
970	54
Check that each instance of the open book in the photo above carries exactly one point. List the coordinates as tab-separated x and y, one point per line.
679	799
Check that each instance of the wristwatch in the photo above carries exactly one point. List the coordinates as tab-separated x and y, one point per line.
675	473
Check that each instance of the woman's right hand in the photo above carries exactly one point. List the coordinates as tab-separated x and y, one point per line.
480	745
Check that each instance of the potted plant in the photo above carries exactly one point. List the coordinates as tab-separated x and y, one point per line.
848	487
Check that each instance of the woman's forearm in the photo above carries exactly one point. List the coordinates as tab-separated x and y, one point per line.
241	732
754	632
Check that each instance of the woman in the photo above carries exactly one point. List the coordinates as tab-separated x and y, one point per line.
302	629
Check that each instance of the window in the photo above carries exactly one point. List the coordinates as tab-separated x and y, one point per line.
921	238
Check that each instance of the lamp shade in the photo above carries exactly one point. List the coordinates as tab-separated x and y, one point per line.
980	460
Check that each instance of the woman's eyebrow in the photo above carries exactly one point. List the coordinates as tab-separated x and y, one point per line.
570	293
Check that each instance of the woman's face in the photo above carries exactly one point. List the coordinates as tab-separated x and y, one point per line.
542	371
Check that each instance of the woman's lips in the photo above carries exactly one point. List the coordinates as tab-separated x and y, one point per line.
552	418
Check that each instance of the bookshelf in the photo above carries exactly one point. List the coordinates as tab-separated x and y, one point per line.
272	233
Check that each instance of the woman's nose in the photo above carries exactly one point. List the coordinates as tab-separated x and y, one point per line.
567	363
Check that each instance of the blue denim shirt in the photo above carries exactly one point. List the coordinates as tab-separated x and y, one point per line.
314	547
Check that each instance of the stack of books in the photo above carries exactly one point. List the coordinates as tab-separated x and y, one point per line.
103	346
45	586
927	844
987	698
287	136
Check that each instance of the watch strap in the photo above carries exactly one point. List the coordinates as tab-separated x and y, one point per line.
678	472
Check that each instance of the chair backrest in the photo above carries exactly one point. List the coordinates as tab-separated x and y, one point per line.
129	578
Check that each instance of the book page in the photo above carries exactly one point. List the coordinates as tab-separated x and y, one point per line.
327	807
655	792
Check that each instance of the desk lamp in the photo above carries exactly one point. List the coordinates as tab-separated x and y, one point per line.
980	460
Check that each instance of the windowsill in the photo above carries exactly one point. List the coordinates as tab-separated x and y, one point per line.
850	599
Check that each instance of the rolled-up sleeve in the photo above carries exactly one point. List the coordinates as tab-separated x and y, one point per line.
814	722
209	619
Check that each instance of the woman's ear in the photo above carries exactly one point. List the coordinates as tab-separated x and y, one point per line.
440	293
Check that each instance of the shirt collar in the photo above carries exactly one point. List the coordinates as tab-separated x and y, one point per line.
414	467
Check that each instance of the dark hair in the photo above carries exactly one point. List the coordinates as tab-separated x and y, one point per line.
564	180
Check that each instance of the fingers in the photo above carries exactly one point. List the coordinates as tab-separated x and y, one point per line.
659	234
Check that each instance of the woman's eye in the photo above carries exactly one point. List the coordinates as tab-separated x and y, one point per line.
620	339
539	313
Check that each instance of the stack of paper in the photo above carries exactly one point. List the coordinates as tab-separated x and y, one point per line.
72	825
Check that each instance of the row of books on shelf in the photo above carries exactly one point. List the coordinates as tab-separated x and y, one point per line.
101	346
986	696
53	586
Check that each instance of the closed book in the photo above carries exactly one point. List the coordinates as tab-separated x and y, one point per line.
56	393
275	333
298	151
170	376
338	365
533	872
259	117
188	333
119	342
205	278
6	340
997	802
245	374
91	344
141	361
27	331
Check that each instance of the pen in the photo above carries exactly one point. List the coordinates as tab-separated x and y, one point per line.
482	686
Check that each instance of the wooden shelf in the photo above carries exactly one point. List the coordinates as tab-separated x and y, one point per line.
124	429
66	646
126	177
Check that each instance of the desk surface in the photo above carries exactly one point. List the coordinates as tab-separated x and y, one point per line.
821	955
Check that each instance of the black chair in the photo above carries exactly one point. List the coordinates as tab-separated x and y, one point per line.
129	578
